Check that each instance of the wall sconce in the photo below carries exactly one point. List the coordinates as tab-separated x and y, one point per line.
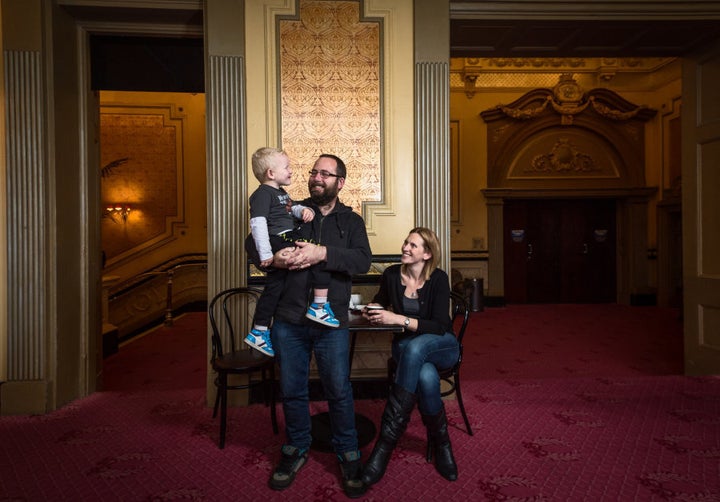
118	210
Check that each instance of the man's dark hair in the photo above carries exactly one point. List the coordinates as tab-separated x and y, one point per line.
341	169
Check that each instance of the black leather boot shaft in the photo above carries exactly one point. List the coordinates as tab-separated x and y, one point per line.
395	419
441	449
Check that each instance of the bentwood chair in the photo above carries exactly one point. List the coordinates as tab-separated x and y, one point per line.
230	313
451	376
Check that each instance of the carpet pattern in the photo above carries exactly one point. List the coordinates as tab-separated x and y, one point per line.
561	410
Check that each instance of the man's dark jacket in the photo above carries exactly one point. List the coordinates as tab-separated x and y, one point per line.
343	232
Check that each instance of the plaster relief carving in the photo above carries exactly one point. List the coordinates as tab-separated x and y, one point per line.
578	139
562	154
564	158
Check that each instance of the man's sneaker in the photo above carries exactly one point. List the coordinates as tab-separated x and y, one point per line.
351	470
322	314
291	460
260	340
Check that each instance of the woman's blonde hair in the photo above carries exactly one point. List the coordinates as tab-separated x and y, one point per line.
431	243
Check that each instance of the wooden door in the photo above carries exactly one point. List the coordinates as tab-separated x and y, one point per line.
588	254
700	209
545	250
516	251
560	251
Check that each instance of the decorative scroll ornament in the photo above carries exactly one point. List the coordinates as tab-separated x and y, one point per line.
608	112
524	114
568	99
563	158
470	79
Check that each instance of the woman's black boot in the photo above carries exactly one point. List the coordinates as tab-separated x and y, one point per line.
394	421
439	445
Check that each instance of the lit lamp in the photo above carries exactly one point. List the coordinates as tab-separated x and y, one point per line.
122	210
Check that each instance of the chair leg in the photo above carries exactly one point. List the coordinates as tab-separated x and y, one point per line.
217	396
222	392
458	394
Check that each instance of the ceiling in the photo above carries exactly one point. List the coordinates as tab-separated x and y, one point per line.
484	29
554	38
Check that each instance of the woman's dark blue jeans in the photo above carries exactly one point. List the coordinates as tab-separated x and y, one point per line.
294	344
418	358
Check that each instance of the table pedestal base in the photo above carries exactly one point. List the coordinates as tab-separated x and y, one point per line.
322	435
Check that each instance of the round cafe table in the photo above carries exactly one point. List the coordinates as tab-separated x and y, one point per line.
321	433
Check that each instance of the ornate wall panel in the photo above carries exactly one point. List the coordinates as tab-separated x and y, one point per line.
330	83
142	177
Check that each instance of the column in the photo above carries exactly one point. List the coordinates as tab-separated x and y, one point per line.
432	119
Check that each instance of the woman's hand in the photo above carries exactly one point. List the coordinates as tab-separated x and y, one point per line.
366	311
382	316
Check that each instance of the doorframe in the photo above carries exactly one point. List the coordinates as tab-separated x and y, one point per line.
631	245
89	110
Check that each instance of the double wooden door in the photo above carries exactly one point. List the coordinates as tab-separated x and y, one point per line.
560	251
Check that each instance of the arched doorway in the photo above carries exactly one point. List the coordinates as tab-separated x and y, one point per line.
566	183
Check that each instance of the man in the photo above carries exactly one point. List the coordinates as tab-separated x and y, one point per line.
337	238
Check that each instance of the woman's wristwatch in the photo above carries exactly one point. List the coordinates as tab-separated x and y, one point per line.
406	322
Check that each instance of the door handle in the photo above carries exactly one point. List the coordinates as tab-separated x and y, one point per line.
585	248
529	252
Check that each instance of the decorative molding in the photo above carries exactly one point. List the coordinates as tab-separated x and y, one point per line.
455	171
583	139
560	65
565	158
586	9
671	156
472	75
150	182
568	99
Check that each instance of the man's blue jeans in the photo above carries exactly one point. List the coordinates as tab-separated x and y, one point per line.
294	345
418	358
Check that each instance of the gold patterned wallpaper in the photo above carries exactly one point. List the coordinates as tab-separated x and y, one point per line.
330	74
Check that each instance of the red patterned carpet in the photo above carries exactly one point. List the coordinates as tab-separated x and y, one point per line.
568	403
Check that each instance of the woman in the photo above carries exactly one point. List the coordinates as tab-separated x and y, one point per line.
416	294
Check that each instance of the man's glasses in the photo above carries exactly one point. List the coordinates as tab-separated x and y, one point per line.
323	174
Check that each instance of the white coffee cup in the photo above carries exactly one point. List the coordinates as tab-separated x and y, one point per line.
355	300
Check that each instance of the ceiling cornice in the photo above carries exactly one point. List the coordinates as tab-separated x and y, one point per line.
586	10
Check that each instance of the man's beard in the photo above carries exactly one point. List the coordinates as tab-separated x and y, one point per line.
325	197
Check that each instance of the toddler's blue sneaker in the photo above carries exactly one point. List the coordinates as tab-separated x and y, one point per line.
322	314
260	340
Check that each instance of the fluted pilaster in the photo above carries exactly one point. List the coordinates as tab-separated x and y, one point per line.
433	152
27	216
227	184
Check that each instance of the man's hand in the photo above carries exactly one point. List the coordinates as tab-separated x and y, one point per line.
304	255
281	257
